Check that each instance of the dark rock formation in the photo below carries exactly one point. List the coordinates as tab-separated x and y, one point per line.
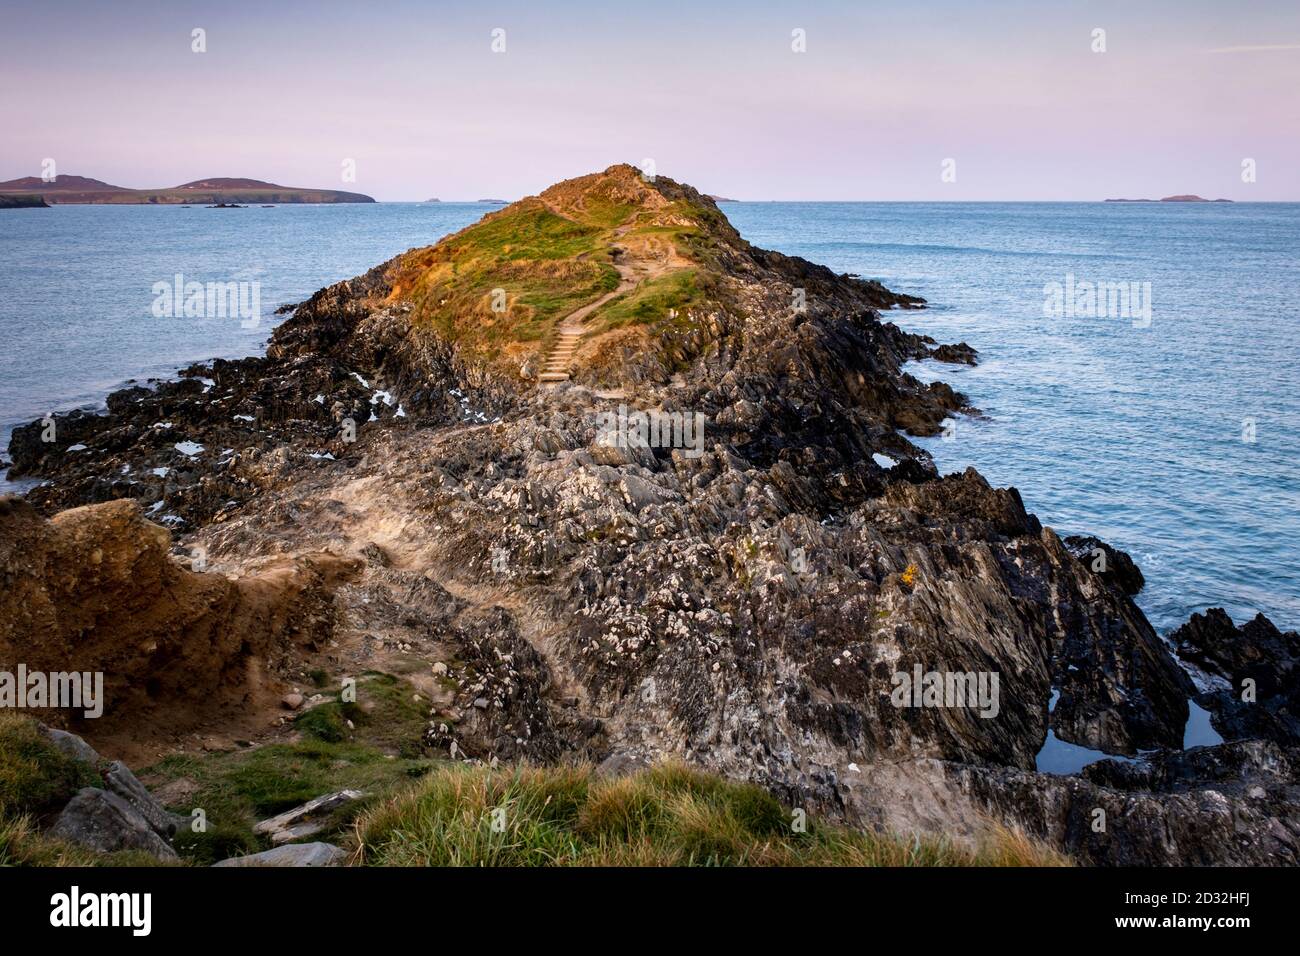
1102	559
1250	675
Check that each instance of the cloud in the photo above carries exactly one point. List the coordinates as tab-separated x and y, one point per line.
1262	48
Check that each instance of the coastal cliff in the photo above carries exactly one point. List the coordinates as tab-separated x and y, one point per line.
459	438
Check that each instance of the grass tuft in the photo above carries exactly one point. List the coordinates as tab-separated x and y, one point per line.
671	815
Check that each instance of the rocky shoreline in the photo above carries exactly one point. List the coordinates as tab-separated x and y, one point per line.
372	491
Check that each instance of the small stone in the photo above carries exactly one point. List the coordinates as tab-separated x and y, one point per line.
292	701
481	703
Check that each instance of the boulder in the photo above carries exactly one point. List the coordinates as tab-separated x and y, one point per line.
105	822
296	854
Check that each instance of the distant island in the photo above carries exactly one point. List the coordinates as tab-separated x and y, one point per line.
22	201
82	189
1185	198
495	202
722	199
435	199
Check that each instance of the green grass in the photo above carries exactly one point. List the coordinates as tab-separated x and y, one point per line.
671	815
552	257
237	789
547	264
421	812
36	777
21	844
36	780
651	301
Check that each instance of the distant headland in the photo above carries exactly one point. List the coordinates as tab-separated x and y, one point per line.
1184	198
82	189
22	201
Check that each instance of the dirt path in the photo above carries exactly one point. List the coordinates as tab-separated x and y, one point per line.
649	260
571	329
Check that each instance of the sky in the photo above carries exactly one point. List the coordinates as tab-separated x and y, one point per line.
883	94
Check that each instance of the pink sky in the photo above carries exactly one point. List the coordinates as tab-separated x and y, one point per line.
712	93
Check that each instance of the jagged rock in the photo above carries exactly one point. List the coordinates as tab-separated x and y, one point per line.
1111	564
1249	676
306	820
959	354
294	854
1234	804
1256	650
119	779
107	823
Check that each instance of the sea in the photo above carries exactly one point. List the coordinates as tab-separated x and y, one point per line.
1139	373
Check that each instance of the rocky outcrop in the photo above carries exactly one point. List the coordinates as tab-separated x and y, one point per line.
1248	677
96	589
23	202
1233	804
794	596
1102	559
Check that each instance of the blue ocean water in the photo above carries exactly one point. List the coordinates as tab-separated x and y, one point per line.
76	316
1131	433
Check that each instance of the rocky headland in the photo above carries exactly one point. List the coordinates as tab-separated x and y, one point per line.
22	201
220	190
431	472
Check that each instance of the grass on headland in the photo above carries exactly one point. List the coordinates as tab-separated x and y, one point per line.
421	812
671	815
545	265
547	256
